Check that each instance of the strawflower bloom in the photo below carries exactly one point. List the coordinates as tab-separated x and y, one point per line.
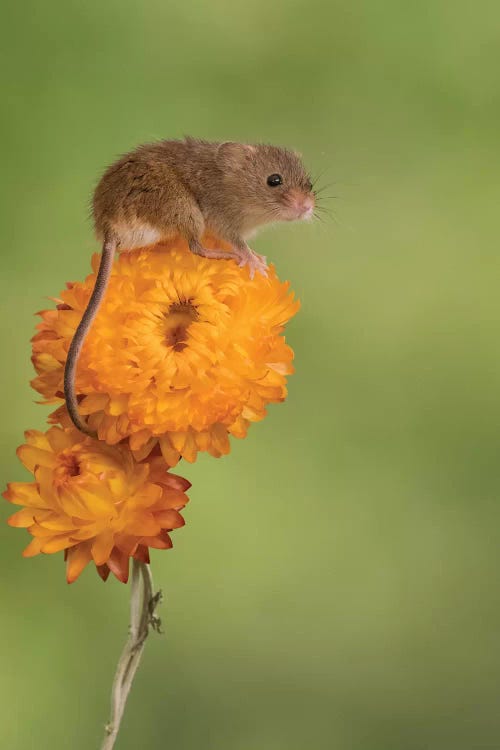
183	352
94	501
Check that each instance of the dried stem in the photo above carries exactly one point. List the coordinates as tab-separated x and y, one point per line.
143	603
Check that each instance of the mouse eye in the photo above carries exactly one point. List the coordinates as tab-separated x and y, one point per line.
274	180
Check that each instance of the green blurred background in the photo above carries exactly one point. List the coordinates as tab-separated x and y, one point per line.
336	584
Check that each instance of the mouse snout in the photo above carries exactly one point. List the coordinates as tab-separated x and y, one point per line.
307	206
301	204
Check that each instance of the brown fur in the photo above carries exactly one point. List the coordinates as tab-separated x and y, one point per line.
190	186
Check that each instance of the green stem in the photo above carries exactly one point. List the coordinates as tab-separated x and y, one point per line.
143	603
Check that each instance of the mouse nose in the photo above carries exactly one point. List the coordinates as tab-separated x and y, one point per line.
303	205
307	206
300	204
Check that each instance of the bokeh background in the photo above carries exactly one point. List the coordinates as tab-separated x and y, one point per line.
336	584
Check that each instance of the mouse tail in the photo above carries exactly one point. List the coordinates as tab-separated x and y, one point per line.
103	274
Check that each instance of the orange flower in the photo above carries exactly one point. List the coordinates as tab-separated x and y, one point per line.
183	352
94	501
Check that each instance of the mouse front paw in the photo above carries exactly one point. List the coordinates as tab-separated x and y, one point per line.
255	262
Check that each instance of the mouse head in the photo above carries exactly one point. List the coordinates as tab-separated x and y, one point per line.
271	180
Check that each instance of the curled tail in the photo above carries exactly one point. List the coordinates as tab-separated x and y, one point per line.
103	274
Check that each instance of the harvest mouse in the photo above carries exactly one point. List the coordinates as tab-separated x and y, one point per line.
184	188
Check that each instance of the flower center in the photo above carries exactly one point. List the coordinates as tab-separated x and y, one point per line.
178	319
68	467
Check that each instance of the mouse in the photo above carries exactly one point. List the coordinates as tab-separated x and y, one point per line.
184	188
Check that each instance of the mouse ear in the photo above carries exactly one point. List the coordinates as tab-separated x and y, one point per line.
232	154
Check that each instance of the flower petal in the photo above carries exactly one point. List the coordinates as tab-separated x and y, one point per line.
32	457
23	518
118	565
77	559
33	548
102	546
169	519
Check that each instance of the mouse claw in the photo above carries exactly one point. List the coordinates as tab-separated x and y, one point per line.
255	262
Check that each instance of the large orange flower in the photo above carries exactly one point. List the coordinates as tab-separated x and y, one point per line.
94	501
184	350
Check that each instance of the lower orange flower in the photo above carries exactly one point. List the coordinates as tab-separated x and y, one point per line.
94	501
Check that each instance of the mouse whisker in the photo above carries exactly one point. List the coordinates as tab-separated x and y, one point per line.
333	216
318	176
329	197
320	190
323	207
326	213
315	182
